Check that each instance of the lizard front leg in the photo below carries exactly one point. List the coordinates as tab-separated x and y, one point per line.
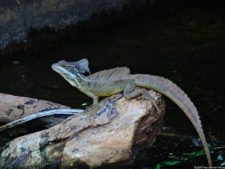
94	98
130	91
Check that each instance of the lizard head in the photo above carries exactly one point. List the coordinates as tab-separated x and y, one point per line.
71	71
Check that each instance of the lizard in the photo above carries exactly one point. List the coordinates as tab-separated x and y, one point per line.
115	80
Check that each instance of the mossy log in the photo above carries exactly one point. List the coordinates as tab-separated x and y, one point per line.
108	135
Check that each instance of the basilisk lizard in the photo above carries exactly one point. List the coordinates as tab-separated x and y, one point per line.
112	81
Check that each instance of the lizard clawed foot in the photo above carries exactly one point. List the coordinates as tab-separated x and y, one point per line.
93	107
143	94
147	96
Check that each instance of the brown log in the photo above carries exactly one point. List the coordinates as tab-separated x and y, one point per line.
110	134
15	107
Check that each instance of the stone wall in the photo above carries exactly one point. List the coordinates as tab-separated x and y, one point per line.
17	17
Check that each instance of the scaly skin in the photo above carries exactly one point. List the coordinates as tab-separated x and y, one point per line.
109	82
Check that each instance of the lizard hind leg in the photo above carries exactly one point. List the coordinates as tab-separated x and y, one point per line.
130	91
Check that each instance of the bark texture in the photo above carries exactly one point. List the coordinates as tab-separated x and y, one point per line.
15	107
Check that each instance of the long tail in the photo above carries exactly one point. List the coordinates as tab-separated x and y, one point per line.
178	96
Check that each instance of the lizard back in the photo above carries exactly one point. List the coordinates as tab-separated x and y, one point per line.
110	74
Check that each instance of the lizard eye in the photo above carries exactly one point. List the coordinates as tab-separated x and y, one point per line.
74	69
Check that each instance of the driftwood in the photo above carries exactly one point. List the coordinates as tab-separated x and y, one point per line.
15	107
111	134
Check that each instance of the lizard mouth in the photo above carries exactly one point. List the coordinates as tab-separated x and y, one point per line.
66	74
59	69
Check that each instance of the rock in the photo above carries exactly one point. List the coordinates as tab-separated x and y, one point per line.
17	17
111	134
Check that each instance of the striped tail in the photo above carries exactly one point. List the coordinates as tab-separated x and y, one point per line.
179	97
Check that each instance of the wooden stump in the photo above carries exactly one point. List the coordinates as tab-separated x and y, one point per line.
110	134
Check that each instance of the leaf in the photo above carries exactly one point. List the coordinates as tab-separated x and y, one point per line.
193	154
220	158
16	62
222	164
170	163
158	166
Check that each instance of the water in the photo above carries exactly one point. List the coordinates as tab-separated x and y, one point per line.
185	45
